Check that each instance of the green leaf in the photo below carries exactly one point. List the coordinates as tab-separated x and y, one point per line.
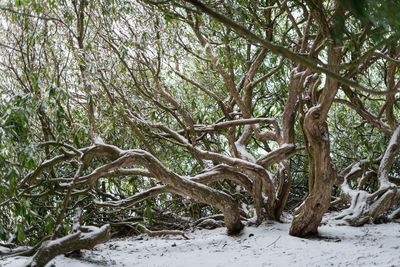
148	212
20	234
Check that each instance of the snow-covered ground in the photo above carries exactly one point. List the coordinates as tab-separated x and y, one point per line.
266	245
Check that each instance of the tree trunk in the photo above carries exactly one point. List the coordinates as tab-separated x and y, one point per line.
308	216
321	173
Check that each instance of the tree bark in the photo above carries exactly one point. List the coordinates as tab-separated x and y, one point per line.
321	173
367	207
179	185
308	216
50	249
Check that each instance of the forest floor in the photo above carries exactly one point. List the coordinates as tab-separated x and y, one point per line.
266	245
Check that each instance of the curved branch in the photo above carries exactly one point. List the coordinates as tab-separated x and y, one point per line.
130	201
282	51
283	152
388	158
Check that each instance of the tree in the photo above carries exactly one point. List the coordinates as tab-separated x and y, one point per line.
321	172
138	108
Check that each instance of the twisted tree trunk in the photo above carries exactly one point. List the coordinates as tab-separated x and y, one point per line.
321	173
308	216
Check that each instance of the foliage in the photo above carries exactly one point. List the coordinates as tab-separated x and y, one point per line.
162	77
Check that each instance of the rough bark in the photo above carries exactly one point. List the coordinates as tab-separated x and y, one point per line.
179	185
367	207
321	173
284	188
308	216
79	240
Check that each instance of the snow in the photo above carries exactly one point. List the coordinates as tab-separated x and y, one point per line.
311	77
98	140
58	241
241	149
4	250
266	245
314	108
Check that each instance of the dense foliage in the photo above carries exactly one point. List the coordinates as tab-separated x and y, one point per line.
166	112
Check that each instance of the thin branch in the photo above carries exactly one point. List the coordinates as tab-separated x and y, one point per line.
282	51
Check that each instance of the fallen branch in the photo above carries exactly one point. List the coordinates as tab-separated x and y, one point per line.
276	240
85	238
161	232
218	217
210	224
157	233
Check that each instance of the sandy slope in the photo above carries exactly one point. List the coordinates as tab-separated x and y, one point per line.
267	245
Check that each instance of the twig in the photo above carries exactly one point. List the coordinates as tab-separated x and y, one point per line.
274	242
157	233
